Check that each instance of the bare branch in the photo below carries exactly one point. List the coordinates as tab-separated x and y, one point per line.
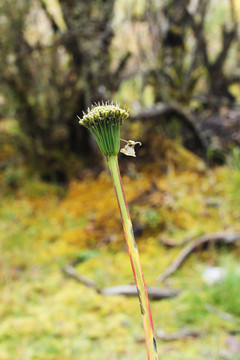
168	109
131	290
198	28
126	290
71	272
215	238
181	334
227	39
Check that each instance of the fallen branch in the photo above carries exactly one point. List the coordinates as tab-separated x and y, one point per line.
181	334
71	272
126	290
216	238
154	293
222	314
170	243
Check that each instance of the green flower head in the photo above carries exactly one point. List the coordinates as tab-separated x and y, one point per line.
104	122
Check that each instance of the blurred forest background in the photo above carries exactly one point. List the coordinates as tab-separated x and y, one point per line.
175	65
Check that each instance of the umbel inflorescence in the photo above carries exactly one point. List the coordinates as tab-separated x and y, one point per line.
104	122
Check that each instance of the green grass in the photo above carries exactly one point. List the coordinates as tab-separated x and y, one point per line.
226	296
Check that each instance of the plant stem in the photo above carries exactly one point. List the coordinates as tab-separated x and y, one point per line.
134	258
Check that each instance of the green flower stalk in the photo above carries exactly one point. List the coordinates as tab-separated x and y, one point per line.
104	121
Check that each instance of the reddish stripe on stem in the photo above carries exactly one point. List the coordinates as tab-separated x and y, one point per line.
148	304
